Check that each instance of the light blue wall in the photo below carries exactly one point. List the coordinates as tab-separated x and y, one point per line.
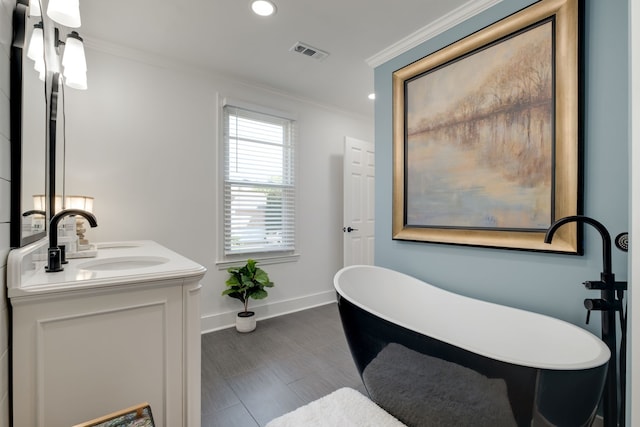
540	282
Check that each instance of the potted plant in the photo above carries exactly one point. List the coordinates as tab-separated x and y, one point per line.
243	283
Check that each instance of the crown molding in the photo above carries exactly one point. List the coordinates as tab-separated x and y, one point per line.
439	26
137	55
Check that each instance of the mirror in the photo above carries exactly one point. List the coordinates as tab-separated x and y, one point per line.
28	135
56	147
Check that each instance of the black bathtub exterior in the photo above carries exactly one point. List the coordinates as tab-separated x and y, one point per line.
423	381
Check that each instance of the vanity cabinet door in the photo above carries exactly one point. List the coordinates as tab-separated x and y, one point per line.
86	354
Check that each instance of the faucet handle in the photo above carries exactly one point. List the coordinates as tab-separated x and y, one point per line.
594	284
63	254
594	304
54	264
600	304
599	284
620	286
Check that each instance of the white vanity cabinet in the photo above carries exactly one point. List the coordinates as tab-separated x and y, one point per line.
125	330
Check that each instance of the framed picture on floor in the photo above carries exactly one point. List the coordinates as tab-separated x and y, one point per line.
135	416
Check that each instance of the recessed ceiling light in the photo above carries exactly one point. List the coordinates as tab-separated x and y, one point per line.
263	7
372	96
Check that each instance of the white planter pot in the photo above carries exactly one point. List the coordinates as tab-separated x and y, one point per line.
246	321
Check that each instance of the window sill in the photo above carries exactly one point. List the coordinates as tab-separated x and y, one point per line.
262	259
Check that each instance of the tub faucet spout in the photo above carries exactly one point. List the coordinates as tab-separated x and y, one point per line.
606	237
54	253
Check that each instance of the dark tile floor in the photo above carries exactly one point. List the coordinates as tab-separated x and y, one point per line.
287	362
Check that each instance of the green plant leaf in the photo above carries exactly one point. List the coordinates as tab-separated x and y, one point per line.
261	276
233	280
237	295
259	294
247	282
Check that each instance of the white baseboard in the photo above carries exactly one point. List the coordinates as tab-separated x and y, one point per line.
219	321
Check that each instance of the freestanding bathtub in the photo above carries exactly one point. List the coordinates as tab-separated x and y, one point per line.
434	358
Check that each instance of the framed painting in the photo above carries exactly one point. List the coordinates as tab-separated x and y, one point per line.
135	416
486	135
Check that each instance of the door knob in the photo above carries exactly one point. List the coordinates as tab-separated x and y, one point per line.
349	229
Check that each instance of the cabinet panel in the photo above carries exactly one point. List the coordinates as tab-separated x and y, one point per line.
99	352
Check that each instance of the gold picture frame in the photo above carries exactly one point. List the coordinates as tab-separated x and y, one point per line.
134	416
486	138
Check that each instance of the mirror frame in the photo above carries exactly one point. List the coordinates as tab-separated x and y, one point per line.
52	129
16	82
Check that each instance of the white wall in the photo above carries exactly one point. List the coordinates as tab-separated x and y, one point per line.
633	365
143	140
6	11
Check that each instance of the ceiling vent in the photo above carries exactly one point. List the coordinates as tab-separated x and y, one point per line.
309	51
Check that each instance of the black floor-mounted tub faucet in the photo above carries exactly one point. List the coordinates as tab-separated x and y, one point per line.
609	303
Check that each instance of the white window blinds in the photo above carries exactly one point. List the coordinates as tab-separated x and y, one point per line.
259	182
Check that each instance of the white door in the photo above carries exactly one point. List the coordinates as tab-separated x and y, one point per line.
358	202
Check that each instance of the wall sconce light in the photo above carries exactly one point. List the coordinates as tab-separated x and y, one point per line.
73	58
70	202
40	68
40	200
65	12
86	204
34	8
35	51
74	62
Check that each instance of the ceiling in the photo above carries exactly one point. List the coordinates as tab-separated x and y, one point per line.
225	37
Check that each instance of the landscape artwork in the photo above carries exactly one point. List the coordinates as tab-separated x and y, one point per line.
487	140
479	135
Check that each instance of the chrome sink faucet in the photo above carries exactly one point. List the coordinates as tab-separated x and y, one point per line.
55	254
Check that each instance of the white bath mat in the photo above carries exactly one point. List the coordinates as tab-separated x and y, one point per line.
345	407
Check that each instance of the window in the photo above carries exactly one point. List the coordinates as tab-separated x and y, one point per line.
259	182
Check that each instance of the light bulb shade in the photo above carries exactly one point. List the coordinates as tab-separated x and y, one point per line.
35	51
65	12
75	80
73	58
79	202
34	8
40	203
70	202
39	65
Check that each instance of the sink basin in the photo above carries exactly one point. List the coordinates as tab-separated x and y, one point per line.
123	263
118	245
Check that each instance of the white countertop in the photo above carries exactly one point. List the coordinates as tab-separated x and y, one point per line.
116	264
